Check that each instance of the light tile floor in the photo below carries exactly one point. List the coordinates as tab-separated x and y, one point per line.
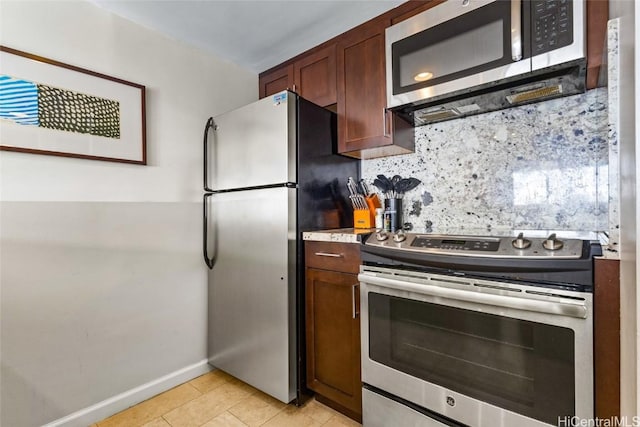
217	399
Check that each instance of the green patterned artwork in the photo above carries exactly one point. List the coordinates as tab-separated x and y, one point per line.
76	112
57	108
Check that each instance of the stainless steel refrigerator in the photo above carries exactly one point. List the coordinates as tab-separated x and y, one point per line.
270	173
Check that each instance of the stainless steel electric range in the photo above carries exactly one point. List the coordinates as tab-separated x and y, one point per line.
478	331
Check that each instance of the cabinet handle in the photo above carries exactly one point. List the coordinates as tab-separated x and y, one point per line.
294	88
355	312
384	122
329	255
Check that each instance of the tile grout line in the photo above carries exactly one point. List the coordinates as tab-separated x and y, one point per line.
166	420
281	410
201	393
251	392
242	422
184	403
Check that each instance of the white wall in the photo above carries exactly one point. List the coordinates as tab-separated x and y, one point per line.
624	9
102	283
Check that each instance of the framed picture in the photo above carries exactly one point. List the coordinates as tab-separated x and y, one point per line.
48	107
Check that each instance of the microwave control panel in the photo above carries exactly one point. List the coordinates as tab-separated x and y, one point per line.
552	25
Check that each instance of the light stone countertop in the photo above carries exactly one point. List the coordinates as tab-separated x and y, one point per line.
342	235
609	248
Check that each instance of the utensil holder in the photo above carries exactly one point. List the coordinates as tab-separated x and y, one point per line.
392	214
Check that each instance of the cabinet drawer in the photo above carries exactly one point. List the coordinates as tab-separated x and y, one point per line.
344	257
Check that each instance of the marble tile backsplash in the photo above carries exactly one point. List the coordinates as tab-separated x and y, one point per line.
542	166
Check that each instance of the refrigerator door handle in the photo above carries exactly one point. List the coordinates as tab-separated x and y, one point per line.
210	125
205	232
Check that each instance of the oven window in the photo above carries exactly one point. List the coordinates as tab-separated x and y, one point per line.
521	366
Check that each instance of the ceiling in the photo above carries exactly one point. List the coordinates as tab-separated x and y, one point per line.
255	34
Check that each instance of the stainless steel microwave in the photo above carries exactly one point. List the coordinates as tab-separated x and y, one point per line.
460	45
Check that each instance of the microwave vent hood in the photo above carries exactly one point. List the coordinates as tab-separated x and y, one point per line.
554	82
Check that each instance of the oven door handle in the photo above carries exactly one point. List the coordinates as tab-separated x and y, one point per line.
519	303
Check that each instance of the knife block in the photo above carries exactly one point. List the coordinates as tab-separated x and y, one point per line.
373	202
363	218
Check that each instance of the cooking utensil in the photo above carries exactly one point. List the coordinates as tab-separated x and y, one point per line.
410	184
385	182
381	186
353	202
395	187
363	202
352	186
405	185
359	202
364	187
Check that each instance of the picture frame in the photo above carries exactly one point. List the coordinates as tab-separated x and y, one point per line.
52	108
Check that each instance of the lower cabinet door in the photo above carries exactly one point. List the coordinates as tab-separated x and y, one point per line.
333	339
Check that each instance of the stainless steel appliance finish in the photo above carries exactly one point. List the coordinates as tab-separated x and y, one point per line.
270	174
497	53
265	149
453	337
477	246
251	319
376	410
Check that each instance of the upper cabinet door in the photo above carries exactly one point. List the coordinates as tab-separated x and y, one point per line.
362	117
314	76
276	81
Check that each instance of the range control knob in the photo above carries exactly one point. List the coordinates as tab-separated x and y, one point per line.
521	242
400	236
382	236
552	243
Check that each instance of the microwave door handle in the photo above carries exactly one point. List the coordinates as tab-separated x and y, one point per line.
210	261
205	168
516	30
518	303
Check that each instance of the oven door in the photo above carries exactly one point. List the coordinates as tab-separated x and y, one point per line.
454	46
482	353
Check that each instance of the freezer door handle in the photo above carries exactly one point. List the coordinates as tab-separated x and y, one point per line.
205	232
210	125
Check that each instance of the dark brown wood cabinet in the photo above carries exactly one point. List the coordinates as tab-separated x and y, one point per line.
597	17
276	80
606	337
365	126
312	76
333	325
349	71
363	119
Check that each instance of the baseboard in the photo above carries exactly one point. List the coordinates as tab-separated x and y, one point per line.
115	404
